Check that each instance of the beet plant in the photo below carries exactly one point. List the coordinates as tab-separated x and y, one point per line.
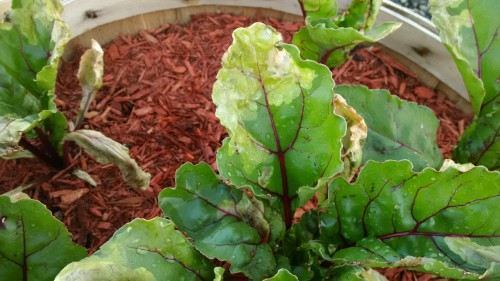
288	139
32	40
383	195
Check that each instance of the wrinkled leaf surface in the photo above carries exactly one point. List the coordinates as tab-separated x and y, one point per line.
31	44
142	250
394	132
106	151
277	108
225	223
471	32
404	213
90	75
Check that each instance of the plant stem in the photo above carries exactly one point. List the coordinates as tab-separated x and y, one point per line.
302	9
52	160
324	58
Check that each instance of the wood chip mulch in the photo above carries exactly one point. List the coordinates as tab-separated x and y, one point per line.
156	100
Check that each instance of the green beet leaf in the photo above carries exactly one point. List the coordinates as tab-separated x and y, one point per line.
31	43
397	217
225	222
319	8
107	151
480	143
393	131
142	250
283	275
475	254
471	32
360	14
278	111
323	41
34	246
355	273
219	273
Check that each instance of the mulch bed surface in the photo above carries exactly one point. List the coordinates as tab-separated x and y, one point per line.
156	100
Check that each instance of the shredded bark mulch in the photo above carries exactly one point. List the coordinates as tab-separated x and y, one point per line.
156	100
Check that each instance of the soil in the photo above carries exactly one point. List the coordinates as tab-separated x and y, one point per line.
156	100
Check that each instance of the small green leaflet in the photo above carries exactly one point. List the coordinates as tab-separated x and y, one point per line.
328	40
90	75
319	8
106	150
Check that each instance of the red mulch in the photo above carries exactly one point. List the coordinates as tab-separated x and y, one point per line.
156	100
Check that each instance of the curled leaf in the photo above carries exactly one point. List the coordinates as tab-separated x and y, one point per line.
393	131
106	150
353	141
84	176
90	75
398	217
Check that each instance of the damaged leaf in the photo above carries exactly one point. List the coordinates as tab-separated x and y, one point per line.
90	75
277	108
398	217
470	30
393	131
224	222
354	140
142	250
106	150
